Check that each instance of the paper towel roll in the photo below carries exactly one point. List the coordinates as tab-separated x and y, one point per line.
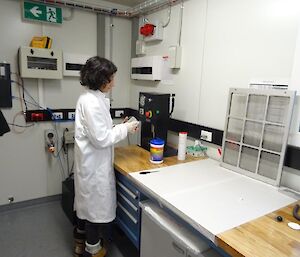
182	145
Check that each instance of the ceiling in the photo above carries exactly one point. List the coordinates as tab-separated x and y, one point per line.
130	3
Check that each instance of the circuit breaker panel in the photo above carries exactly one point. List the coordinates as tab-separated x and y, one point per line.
40	63
256	132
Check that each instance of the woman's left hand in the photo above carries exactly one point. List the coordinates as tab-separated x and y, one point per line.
125	119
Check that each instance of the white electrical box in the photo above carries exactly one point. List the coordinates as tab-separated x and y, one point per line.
175	57
158	34
73	64
140	47
40	63
69	137
147	68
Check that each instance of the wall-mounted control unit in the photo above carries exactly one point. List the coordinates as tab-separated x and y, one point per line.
73	64
40	63
147	68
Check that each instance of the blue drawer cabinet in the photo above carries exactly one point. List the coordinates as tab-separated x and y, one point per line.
128	210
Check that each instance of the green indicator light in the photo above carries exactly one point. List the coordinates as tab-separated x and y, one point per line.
157	111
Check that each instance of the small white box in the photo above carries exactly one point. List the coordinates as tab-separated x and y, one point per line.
73	64
140	47
175	57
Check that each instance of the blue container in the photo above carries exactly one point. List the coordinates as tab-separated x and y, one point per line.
157	150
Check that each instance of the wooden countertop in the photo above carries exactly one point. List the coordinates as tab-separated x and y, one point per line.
134	158
263	237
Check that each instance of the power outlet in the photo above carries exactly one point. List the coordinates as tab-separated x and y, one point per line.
50	140
119	114
71	115
57	116
206	135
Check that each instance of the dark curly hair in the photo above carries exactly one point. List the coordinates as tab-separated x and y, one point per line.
97	72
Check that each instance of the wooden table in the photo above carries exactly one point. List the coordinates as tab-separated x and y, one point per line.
134	158
262	237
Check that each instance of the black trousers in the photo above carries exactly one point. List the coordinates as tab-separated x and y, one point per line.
91	229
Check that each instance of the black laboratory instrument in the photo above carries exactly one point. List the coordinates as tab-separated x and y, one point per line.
4	128
154	113
5	86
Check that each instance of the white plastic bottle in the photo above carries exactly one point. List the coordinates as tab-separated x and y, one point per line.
182	145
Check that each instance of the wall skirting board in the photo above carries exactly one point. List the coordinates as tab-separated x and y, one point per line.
18	205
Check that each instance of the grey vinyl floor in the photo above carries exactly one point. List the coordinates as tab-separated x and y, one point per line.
43	230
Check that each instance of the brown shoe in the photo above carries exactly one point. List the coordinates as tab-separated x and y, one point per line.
79	243
101	253
78	249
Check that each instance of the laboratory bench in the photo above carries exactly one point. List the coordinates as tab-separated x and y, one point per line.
197	191
132	159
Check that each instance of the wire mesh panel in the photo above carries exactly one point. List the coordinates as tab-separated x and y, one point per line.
256	132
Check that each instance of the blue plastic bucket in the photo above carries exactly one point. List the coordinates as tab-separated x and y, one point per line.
157	150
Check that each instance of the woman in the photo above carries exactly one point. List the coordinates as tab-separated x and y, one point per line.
95	135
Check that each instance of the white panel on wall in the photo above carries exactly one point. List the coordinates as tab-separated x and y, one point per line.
121	56
244	40
27	170
64	93
186	84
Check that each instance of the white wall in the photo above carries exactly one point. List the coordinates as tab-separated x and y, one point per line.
244	40
27	171
225	44
121	57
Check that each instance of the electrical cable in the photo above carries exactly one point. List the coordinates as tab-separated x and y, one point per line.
33	104
14	122
180	23
62	171
58	153
172	104
20	126
68	165
19	77
169	17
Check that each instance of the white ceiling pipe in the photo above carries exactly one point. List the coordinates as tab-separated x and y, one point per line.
140	9
86	7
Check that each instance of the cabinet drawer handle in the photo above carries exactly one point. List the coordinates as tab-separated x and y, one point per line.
132	195
127	201
127	213
178	248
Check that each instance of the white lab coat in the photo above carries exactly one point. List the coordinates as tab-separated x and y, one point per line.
95	189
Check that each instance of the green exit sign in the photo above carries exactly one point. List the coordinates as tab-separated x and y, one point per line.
41	12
